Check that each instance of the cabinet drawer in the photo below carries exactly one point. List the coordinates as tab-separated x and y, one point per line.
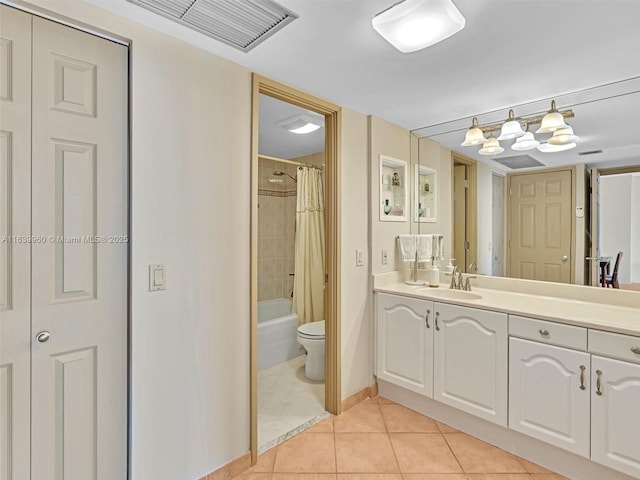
615	345
548	332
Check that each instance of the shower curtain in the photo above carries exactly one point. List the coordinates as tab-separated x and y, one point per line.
308	288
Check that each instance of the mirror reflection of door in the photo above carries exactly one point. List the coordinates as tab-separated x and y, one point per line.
460	215
540	225
497	223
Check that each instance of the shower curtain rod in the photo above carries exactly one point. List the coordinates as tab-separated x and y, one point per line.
292	162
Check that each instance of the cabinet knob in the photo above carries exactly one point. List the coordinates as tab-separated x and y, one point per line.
43	337
636	350
544	332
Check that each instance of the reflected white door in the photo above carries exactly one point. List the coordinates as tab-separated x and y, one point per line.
497	223
15	255
592	260
79	285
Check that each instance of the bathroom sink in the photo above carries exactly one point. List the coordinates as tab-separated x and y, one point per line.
453	294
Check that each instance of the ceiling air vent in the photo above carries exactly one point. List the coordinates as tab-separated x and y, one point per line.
519	161
590	152
242	24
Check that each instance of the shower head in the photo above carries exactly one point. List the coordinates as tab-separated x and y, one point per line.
278	173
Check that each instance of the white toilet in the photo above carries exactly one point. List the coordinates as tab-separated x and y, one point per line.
311	337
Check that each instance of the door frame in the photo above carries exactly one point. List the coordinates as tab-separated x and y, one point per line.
333	116
572	254
471	207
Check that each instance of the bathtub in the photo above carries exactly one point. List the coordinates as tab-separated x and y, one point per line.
277	333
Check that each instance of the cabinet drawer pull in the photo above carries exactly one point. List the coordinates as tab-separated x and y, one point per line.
582	369
599	382
437	325
636	350
426	318
544	332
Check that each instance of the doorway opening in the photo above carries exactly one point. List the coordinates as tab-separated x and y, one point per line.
464	213
294	263
614	237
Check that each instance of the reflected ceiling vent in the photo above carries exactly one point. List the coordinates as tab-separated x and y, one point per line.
518	161
242	24
590	152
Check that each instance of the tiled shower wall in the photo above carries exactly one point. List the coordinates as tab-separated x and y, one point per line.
276	226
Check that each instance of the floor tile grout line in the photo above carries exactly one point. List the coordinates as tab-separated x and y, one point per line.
453	453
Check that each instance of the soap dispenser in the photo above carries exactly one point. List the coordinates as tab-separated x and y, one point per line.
434	274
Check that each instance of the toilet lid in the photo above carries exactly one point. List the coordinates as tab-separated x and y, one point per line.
313	329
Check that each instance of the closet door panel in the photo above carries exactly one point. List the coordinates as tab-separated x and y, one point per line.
15	246
80	291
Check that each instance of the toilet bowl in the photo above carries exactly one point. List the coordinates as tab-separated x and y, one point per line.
311	337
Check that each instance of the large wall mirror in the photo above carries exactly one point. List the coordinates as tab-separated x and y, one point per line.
571	215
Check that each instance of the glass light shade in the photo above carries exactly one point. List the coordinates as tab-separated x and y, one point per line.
416	24
549	148
302	124
525	142
474	136
563	136
552	121
491	147
511	128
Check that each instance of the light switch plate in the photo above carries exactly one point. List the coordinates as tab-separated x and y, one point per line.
579	212
359	257
384	257
157	277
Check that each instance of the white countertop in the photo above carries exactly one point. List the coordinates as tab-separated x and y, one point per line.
600	316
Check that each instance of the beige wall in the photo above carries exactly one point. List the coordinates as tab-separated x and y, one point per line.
191	118
356	313
386	139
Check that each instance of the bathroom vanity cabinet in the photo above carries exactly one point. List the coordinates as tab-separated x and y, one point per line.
572	387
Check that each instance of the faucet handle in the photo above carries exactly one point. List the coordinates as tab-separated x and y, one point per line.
467	283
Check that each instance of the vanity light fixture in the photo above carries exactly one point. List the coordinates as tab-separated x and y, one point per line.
491	147
301	124
412	25
551	122
474	135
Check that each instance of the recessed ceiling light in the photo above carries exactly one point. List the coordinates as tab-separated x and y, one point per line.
302	124
416	24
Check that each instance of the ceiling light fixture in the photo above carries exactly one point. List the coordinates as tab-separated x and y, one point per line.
416	24
301	124
553	122
491	147
474	136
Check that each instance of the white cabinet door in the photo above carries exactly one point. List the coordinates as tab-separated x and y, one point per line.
615	414
549	396
470	363
405	342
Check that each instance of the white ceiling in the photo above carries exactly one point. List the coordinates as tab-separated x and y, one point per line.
511	52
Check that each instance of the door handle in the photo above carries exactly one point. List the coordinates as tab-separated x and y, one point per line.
43	337
582	369
437	326
426	318
564	258
598	382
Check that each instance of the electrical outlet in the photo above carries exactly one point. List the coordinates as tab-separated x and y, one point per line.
359	257
384	257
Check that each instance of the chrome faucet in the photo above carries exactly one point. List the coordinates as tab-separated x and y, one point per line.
453	285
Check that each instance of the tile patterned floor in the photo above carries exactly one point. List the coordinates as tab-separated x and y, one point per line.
380	440
286	400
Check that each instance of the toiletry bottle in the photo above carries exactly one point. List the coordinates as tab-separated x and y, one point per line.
434	275
387	207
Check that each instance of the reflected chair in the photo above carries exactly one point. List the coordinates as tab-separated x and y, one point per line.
612	280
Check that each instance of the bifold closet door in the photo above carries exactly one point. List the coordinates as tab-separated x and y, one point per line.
15	250
79	284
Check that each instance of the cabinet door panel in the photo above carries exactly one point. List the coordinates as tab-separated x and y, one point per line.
470	363
546	400
405	342
615	422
